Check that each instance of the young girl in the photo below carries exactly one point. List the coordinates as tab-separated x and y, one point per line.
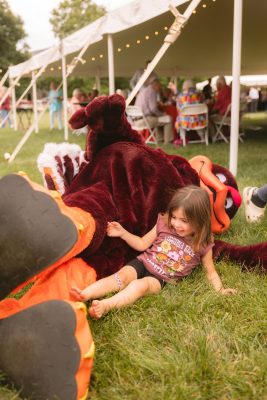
180	240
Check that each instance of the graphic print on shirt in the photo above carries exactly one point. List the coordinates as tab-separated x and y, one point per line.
173	255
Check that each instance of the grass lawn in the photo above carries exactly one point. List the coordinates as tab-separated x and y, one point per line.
187	342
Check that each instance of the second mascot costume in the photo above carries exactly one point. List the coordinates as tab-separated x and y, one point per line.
53	243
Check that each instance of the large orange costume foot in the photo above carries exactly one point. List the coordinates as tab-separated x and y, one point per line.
47	351
33	232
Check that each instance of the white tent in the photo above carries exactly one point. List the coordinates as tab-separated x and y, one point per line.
204	48
137	30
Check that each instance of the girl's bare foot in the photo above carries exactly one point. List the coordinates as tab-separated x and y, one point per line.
98	309
77	294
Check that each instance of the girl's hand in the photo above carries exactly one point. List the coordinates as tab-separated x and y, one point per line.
114	229
227	291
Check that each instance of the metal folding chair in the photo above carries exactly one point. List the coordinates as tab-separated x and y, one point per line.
225	121
139	122
192	110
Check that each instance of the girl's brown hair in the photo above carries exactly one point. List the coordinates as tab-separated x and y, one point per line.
196	205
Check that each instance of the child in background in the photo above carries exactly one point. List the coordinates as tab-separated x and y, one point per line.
180	240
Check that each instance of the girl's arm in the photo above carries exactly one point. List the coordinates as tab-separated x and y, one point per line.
212	275
114	229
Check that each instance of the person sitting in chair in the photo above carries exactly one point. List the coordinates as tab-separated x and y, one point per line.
221	103
147	100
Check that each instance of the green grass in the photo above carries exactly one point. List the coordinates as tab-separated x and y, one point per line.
187	342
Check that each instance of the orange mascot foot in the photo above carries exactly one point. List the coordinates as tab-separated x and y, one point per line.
33	232
47	351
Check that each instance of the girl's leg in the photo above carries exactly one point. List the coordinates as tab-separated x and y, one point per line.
134	291
112	283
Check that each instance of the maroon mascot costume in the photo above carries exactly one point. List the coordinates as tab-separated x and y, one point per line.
53	243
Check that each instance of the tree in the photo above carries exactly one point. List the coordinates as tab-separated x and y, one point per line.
72	15
11	34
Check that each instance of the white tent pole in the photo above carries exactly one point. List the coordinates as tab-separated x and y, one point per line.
111	76
65	94
39	73
4	78
26	136
9	90
173	33
237	39
98	82
13	106
34	100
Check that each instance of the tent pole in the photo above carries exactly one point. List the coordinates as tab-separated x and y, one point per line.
237	39
4	78
173	34
34	99
13	100
65	94
111	77
98	82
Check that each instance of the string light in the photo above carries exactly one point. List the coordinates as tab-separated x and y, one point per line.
101	56
204	5
127	45
156	33
93	58
194	12
119	49
165	28
138	41
52	69
146	37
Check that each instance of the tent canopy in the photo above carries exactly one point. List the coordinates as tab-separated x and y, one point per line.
204	47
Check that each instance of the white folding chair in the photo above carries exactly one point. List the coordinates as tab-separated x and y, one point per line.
192	110
139	122
225	121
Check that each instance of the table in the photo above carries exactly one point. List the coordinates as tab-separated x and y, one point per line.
24	112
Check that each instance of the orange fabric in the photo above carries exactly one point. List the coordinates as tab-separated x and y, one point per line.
53	285
83	221
220	221
85	340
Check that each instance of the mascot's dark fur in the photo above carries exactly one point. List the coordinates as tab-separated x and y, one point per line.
130	182
122	179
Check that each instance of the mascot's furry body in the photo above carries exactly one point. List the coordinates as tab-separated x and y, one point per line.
122	180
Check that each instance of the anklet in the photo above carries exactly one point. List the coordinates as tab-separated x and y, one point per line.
118	281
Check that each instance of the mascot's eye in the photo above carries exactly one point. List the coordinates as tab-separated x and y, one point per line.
228	202
221	177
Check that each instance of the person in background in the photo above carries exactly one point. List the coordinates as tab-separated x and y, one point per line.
254	99
207	90
75	100
189	95
147	100
92	95
222	101
55	105
5	108
255	200
175	246
137	75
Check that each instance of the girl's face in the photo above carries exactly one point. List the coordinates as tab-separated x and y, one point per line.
180	223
